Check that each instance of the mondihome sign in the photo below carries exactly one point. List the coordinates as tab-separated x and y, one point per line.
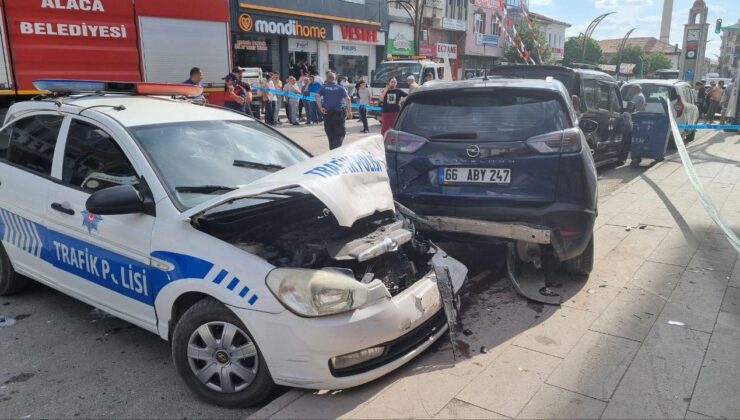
273	25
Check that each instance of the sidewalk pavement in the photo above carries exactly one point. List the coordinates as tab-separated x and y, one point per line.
654	332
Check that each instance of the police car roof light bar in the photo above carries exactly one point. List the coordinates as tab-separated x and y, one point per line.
70	86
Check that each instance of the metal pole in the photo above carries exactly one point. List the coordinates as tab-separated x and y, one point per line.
589	31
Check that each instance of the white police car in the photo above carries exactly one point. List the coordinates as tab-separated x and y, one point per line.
261	264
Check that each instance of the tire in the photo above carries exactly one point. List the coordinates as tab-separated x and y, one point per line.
10	281
582	264
250	382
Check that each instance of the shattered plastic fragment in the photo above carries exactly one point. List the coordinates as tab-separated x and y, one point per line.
6	321
591	291
483	350
679	323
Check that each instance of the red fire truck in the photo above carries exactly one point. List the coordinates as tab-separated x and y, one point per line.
121	40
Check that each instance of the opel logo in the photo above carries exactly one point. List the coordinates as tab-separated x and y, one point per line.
245	22
473	151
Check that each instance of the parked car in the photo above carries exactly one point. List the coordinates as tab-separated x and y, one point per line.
680	94
595	98
498	159
260	264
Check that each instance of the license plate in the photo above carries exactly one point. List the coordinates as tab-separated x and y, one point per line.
475	175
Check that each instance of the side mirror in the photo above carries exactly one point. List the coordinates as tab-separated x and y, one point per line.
589	126
121	199
630	107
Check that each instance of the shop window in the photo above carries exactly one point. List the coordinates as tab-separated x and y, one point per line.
257	51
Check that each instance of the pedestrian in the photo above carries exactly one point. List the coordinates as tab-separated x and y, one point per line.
412	83
272	99
235	96
363	100
390	101
724	103
278	99
637	98
715	94
699	95
336	107
291	100
428	77
301	84
313	89
196	77
266	99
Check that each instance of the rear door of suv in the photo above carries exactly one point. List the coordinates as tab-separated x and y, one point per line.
491	146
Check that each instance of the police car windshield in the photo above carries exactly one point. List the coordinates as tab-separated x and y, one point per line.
192	157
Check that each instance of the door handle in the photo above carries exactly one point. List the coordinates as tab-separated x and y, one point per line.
61	208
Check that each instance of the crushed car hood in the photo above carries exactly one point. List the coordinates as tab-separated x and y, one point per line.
352	181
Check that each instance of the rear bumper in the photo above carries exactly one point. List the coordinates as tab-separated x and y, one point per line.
567	227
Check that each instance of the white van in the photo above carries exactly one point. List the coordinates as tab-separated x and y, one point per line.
401	69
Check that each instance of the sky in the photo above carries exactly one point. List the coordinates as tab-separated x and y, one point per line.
645	15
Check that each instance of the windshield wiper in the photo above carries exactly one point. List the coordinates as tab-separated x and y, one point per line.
203	189
270	167
466	135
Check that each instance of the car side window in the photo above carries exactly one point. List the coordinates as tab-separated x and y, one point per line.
615	104
602	97
93	160
5	141
32	141
589	93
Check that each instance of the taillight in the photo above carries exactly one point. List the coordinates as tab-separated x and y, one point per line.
402	142
679	107
566	141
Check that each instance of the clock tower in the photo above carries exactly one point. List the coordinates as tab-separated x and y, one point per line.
694	43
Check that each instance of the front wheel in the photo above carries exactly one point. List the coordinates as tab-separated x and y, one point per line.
583	264
217	357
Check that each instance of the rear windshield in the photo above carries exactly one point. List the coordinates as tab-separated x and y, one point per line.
523	73
484	115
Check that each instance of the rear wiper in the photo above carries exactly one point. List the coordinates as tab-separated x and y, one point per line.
271	167
467	135
203	189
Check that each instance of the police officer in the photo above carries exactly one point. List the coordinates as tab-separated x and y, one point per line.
335	107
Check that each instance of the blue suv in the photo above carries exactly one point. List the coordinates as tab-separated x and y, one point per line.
500	159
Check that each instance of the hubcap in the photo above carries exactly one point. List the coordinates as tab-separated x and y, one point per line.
222	357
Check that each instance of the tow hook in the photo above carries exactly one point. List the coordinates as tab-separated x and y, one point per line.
530	285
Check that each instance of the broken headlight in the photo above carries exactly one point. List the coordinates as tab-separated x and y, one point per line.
314	293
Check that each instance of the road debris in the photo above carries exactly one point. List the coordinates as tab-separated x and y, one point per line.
6	321
483	350
679	323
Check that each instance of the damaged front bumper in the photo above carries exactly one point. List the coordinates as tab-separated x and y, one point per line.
302	352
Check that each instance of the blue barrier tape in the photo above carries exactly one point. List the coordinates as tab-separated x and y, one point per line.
708	127
311	98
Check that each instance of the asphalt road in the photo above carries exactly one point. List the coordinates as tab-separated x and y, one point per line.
63	359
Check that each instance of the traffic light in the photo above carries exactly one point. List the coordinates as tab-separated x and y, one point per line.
718	26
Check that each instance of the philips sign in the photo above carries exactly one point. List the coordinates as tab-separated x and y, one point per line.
282	26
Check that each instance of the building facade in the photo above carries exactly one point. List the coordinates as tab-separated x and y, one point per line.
729	58
346	36
650	45
483	44
554	31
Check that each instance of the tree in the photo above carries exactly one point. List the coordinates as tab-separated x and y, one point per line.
631	54
415	10
657	61
512	56
572	52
